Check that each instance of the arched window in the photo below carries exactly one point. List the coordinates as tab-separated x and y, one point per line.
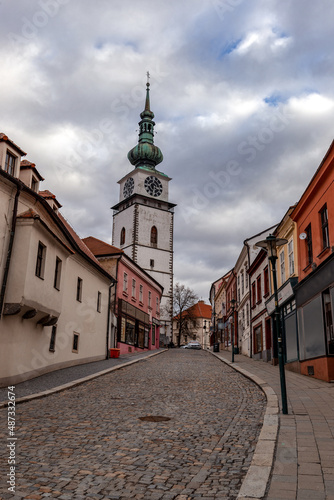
123	236
154	236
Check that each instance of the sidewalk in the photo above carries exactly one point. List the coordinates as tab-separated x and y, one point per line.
303	465
68	377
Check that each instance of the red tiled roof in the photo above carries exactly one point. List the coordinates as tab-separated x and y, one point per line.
4	138
30	213
199	310
25	164
47	195
99	247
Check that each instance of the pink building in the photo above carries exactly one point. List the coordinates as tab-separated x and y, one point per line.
136	299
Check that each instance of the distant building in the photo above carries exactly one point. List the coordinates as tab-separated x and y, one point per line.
54	299
314	217
137	299
196	324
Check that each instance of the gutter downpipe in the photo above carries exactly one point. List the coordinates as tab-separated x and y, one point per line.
250	308
10	248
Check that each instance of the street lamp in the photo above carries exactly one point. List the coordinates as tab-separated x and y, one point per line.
233	303
270	244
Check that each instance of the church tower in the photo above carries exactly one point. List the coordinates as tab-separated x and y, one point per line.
143	217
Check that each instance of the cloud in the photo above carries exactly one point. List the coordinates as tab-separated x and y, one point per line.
242	94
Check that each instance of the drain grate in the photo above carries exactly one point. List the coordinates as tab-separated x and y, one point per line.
154	418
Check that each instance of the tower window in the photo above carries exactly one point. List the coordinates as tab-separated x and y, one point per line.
123	236
151	262
154	236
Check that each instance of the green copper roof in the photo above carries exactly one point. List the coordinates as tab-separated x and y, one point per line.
146	154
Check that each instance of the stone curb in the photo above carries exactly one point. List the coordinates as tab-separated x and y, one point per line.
255	484
79	381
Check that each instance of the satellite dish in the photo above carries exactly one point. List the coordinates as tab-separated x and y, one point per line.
303	236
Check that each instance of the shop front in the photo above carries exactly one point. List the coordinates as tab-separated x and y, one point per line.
136	331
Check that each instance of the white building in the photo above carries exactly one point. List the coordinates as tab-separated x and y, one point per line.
55	296
143	219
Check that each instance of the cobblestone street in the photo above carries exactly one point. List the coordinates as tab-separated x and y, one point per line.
89	442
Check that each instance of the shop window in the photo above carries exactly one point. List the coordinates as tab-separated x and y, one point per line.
324	227
258	339
328	321
153	334
40	261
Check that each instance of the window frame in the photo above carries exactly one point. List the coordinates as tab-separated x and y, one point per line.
52	345
309	245
282	266
57	275
40	261
122	236
79	289
125	282
99	302
76	337
154	236
291	257
324	227
10	166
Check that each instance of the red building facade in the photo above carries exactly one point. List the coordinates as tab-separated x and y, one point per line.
314	216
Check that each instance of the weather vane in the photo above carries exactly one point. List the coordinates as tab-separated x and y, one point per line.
148	77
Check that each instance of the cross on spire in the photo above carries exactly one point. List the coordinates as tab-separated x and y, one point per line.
148	77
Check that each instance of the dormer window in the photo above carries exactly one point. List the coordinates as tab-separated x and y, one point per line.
10	163
34	184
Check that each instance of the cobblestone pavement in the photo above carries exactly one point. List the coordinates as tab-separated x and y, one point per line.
89	442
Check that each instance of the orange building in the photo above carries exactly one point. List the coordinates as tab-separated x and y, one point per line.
314	217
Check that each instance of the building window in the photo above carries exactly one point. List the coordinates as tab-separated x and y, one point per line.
125	283
258	287
99	300
52	345
247	314
309	249
140	293
242	283
266	281
328	321
282	266
258	339
151	262
154	236
34	184
291	258
253	294
40	262
75	346
324	227
56	281
79	290
123	236
134	288
10	163
149	299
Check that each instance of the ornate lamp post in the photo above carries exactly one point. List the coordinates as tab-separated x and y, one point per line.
233	304
270	244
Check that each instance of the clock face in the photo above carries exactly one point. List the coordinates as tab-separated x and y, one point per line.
153	186
128	187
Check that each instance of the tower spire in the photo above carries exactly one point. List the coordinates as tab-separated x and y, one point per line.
146	154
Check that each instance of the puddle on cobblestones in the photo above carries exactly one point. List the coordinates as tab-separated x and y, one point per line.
154	418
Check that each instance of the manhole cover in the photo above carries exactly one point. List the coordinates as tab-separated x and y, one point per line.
154	418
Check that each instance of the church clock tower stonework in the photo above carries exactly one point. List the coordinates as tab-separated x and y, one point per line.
143	219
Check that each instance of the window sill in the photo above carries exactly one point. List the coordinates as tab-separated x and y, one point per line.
266	295
307	268
133	299
141	304
259	302
125	294
324	252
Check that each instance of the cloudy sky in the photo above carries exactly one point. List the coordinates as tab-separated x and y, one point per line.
243	96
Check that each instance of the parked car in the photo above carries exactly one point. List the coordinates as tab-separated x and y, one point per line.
193	345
